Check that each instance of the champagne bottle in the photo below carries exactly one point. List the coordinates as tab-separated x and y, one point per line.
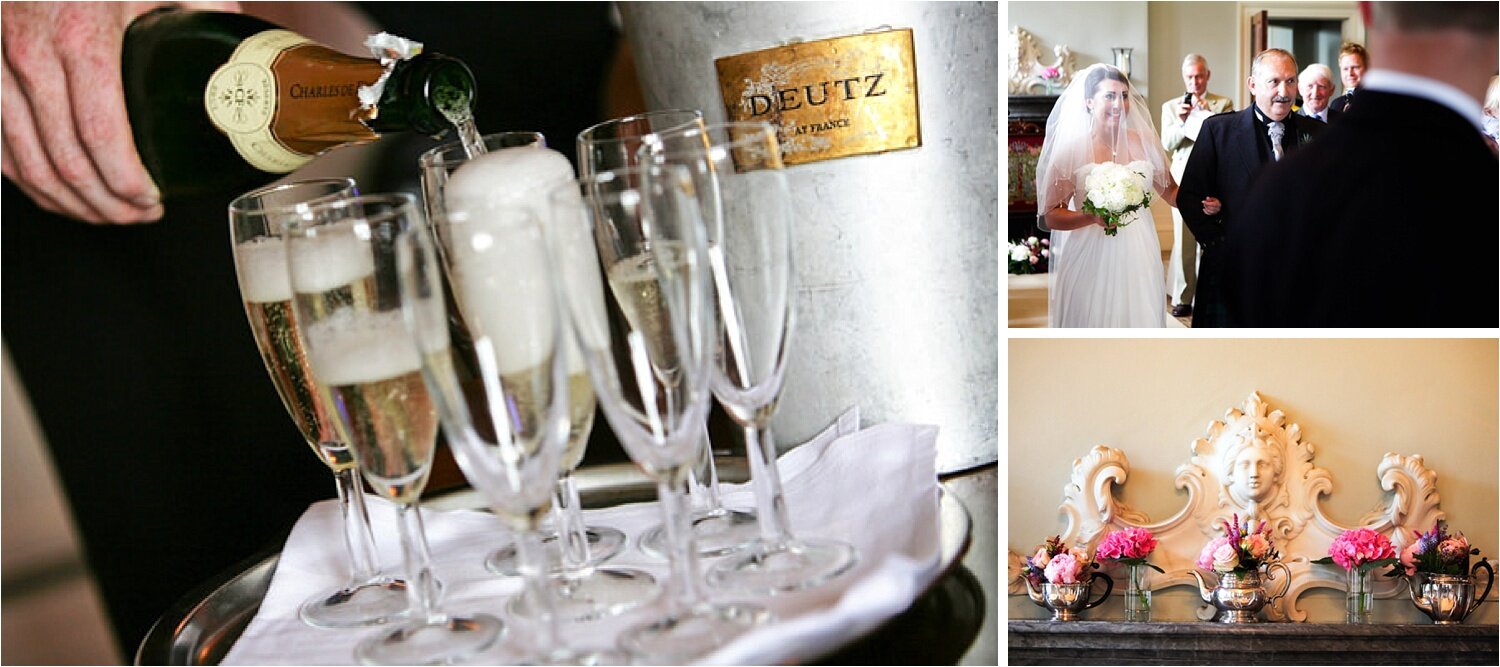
223	102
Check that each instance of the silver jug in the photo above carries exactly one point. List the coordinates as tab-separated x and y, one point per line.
1240	595
1066	600
1449	598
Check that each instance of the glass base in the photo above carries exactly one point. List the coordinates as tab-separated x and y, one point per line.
446	641
766	569
600	594
683	637
718	533
604	544
374	602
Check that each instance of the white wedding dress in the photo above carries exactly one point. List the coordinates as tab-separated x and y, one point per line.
1107	281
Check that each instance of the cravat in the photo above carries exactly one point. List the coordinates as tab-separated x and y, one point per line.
1277	130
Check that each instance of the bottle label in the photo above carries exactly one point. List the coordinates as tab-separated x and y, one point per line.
828	99
282	98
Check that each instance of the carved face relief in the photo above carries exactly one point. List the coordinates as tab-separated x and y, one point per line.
1254	473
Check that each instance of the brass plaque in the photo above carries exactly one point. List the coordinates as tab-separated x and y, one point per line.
831	98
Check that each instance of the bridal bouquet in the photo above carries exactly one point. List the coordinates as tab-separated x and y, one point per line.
1055	563
1241	549
1116	192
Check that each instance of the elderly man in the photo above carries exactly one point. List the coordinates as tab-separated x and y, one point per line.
1181	118
1316	85
1230	151
1341	232
1352	64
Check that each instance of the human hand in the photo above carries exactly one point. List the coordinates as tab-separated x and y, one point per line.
66	138
1183	109
1212	206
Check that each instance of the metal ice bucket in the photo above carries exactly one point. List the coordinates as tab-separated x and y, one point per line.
897	308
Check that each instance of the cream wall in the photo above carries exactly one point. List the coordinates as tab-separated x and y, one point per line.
1180	28
1090	30
1354	399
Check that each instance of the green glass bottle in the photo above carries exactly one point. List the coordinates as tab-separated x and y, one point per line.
223	102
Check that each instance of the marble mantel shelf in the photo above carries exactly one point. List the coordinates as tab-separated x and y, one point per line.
1117	643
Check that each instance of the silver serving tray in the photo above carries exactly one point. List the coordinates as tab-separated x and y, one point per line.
201	627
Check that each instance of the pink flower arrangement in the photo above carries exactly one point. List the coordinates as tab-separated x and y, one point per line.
1361	548
1064	569
1056	563
1130	543
1051	73
1437	552
1242	548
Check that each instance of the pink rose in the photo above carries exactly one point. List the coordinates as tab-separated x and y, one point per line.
1226	558
1409	558
1041	558
1051	73
1064	569
1206	557
1257	546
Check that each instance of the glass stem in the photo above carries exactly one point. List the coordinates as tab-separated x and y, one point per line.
359	542
421	588
770	507
703	480
681	552
531	560
572	535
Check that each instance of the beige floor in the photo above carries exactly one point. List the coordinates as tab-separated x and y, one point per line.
1027	295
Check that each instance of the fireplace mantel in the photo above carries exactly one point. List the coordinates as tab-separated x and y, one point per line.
1118	643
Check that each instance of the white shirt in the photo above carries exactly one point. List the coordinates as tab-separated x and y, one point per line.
1432	90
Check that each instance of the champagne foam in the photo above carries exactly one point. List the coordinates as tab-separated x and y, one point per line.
334	257
351	347
507	295
520	175
491	191
263	272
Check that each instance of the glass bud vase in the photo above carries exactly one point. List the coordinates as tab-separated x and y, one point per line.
1137	594
1361	596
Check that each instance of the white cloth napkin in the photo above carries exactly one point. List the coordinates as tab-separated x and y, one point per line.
876	489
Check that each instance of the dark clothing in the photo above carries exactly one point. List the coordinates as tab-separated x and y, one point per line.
1373	225
175	452
1340	104
176	455
1229	154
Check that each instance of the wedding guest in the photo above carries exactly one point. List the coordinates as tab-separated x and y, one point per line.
1353	61
1410	242
1229	154
1316	85
1181	118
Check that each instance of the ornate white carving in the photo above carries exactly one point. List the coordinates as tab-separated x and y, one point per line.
1256	465
1026	63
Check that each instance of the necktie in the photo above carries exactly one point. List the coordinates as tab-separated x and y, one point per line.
1277	130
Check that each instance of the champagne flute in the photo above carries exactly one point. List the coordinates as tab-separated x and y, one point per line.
617	144
653	383
256	221
740	182
507	182
341	259
508	427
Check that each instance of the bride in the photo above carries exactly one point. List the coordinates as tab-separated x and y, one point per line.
1099	280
